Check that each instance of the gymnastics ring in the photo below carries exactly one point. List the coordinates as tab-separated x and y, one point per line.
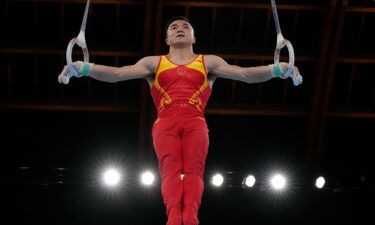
81	42
281	42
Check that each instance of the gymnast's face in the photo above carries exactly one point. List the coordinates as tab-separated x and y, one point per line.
180	33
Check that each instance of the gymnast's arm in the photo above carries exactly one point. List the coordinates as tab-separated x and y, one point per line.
144	68
219	68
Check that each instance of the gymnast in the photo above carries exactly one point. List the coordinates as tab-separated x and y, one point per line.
180	84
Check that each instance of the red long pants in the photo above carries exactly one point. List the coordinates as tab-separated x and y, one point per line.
181	141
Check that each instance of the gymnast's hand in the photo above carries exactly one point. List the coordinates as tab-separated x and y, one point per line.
285	73
72	70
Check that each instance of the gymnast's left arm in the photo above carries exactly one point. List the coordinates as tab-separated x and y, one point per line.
220	68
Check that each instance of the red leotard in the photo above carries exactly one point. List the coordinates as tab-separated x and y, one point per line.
180	135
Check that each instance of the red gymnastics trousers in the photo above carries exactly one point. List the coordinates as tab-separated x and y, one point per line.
180	136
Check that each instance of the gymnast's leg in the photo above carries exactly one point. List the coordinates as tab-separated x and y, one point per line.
194	152
168	150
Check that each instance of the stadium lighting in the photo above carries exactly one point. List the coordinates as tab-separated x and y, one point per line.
250	181
147	178
111	177
278	182
320	182
217	180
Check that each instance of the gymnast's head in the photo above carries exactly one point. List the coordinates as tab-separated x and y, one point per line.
179	32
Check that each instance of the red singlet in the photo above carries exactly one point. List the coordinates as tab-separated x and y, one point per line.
180	136
180	84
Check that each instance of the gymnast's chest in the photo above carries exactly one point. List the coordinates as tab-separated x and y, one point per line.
181	75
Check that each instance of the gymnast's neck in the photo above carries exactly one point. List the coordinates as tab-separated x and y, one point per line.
181	53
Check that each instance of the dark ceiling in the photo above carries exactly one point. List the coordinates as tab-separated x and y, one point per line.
325	126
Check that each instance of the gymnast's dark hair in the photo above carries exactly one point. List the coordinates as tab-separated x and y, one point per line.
174	19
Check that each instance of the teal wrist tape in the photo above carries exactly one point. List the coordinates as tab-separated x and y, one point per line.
276	70
86	69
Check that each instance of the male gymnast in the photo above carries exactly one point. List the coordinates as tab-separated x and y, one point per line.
180	85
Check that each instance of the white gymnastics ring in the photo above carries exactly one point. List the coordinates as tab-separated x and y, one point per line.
281	42
81	42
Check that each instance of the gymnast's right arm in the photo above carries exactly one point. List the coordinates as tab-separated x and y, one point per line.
142	69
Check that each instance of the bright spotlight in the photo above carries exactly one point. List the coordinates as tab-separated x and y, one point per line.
217	180
320	181
278	182
111	177
250	181
147	178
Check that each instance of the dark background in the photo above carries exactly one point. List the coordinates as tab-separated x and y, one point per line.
57	139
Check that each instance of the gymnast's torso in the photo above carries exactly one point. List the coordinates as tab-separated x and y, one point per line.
181	85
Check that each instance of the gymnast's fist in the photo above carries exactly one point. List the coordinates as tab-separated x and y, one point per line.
71	70
286	72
